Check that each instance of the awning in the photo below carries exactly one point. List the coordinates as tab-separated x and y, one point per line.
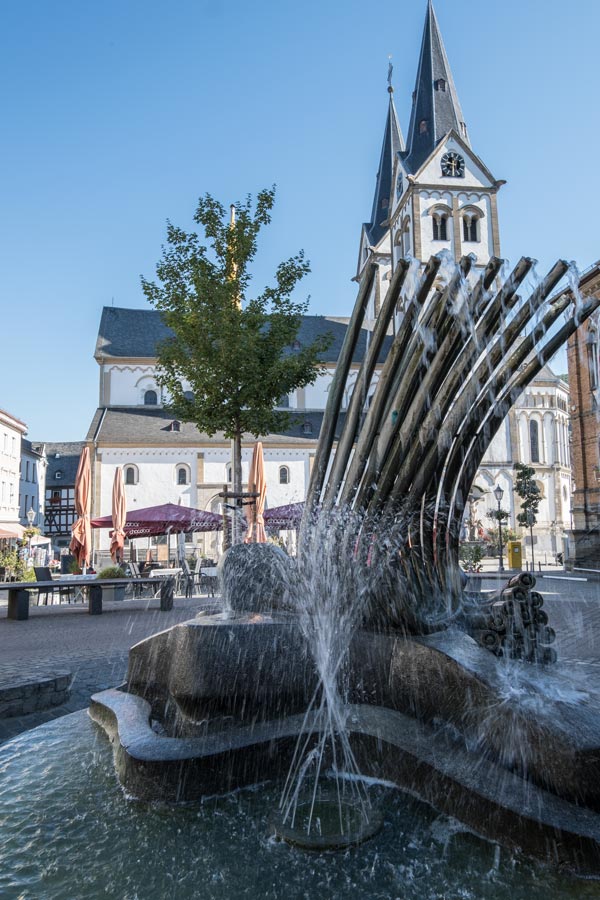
169	518
284	517
11	530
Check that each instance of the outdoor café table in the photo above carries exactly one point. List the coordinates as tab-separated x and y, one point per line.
80	589
165	573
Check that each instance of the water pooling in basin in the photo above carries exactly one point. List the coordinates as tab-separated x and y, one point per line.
68	831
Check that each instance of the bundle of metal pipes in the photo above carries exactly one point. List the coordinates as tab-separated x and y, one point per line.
512	623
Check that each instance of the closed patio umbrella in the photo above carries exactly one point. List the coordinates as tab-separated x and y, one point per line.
81	539
254	511
119	513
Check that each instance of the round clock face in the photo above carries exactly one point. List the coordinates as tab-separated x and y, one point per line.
453	165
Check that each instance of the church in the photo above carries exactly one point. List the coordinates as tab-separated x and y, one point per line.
433	195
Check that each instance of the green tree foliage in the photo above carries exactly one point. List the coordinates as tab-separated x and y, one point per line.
528	491
234	351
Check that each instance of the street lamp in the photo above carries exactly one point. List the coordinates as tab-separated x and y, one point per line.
30	520
499	494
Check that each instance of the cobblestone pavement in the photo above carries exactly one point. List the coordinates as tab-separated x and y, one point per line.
93	648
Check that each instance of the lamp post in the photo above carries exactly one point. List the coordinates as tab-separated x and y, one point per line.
30	519
499	494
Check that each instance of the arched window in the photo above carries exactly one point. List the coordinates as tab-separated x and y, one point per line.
534	441
150	398
440	227
131	475
182	475
307	428
284	475
423	126
471	229
229	473
592	359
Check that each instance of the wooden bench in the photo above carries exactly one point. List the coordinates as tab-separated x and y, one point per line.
18	592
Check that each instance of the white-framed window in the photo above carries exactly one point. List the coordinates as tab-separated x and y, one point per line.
150	398
182	474
284	475
131	474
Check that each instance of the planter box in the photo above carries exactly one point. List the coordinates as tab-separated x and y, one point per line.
110	592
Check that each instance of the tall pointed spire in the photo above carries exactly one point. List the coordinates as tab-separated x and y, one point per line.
436	109
393	143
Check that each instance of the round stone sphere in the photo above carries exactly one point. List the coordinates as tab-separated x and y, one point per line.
254	578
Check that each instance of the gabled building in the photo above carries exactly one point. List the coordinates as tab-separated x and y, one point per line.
11	434
59	506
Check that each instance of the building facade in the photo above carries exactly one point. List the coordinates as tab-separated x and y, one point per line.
32	483
59	504
11	433
584	378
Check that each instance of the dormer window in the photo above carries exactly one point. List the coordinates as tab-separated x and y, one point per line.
175	425
58	475
307	428
440	84
385	202
423	126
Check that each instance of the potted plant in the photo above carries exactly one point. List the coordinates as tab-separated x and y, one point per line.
112	592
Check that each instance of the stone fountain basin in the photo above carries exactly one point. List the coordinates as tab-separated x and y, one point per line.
256	668
413	755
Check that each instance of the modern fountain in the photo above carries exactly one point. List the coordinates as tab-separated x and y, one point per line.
365	660
360	658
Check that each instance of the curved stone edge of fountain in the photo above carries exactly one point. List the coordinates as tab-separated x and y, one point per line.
495	803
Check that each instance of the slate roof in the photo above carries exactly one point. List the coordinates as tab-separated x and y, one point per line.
131	425
66	463
393	143
33	449
136	333
440	109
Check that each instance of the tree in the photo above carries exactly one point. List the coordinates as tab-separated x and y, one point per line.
527	489
231	358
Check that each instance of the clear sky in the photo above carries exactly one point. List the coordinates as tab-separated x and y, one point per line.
118	115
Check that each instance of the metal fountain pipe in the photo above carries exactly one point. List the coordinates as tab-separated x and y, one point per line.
363	381
425	438
478	417
455	416
444	376
521	380
371	424
336	392
411	374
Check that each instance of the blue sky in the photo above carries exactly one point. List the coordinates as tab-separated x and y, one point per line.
118	115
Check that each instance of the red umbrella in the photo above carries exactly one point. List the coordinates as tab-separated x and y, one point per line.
81	540
254	511
119	511
169	518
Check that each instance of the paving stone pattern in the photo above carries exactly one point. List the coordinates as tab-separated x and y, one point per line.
68	642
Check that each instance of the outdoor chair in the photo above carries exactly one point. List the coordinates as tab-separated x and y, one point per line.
42	573
188	578
137	589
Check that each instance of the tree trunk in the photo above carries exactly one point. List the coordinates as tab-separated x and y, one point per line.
236	460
